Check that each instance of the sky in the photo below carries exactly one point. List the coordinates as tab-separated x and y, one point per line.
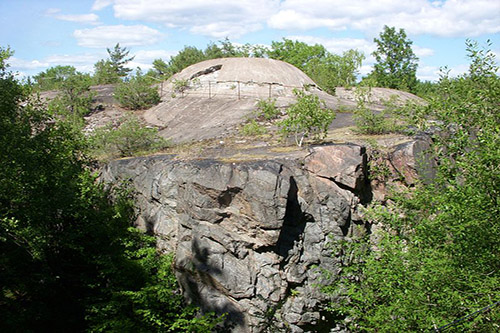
47	33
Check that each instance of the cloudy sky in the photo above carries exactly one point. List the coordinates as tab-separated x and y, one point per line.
45	33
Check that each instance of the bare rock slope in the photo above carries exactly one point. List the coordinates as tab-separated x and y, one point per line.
209	99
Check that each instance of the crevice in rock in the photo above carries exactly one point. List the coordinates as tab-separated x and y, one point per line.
209	70
293	225
226	197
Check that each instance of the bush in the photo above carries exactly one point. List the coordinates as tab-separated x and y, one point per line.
438	252
307	117
266	109
181	85
253	128
368	121
137	93
129	138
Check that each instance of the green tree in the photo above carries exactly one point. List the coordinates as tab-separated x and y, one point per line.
188	56
112	70
54	77
296	53
75	98
333	70
396	64
104	73
67	250
307	117
137	93
118	59
161	67
439	253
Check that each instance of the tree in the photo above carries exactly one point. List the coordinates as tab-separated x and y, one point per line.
161	67
308	116
69	253
188	56
75	98
333	70
104	73
396	64
439	252
118	59
54	77
137	93
296	53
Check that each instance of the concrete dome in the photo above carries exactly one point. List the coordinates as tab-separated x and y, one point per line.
258	70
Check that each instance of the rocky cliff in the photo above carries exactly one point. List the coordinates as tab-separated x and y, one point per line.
250	238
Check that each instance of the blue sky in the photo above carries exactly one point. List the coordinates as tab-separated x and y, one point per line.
62	32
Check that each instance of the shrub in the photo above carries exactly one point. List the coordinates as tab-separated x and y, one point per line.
180	85
137	93
366	120
266	109
253	128
129	138
307	117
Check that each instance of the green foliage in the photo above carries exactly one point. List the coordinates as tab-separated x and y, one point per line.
181	85
326	69
118	59
396	64
137	93
112	70
368	121
68	253
188	56
296	53
439	253
253	128
334	70
307	117
156	306
104	73
75	98
267	110
128	139
161	67
54	78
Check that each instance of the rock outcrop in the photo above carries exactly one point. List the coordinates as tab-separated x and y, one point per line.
251	237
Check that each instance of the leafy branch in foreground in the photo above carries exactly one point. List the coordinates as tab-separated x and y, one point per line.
70	260
439	252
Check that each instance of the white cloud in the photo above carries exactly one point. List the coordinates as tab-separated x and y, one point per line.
17	63
101	4
433	73
144	59
109	35
80	18
82	62
422	52
450	18
216	18
338	45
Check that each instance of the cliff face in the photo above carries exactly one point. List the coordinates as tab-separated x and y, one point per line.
249	237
